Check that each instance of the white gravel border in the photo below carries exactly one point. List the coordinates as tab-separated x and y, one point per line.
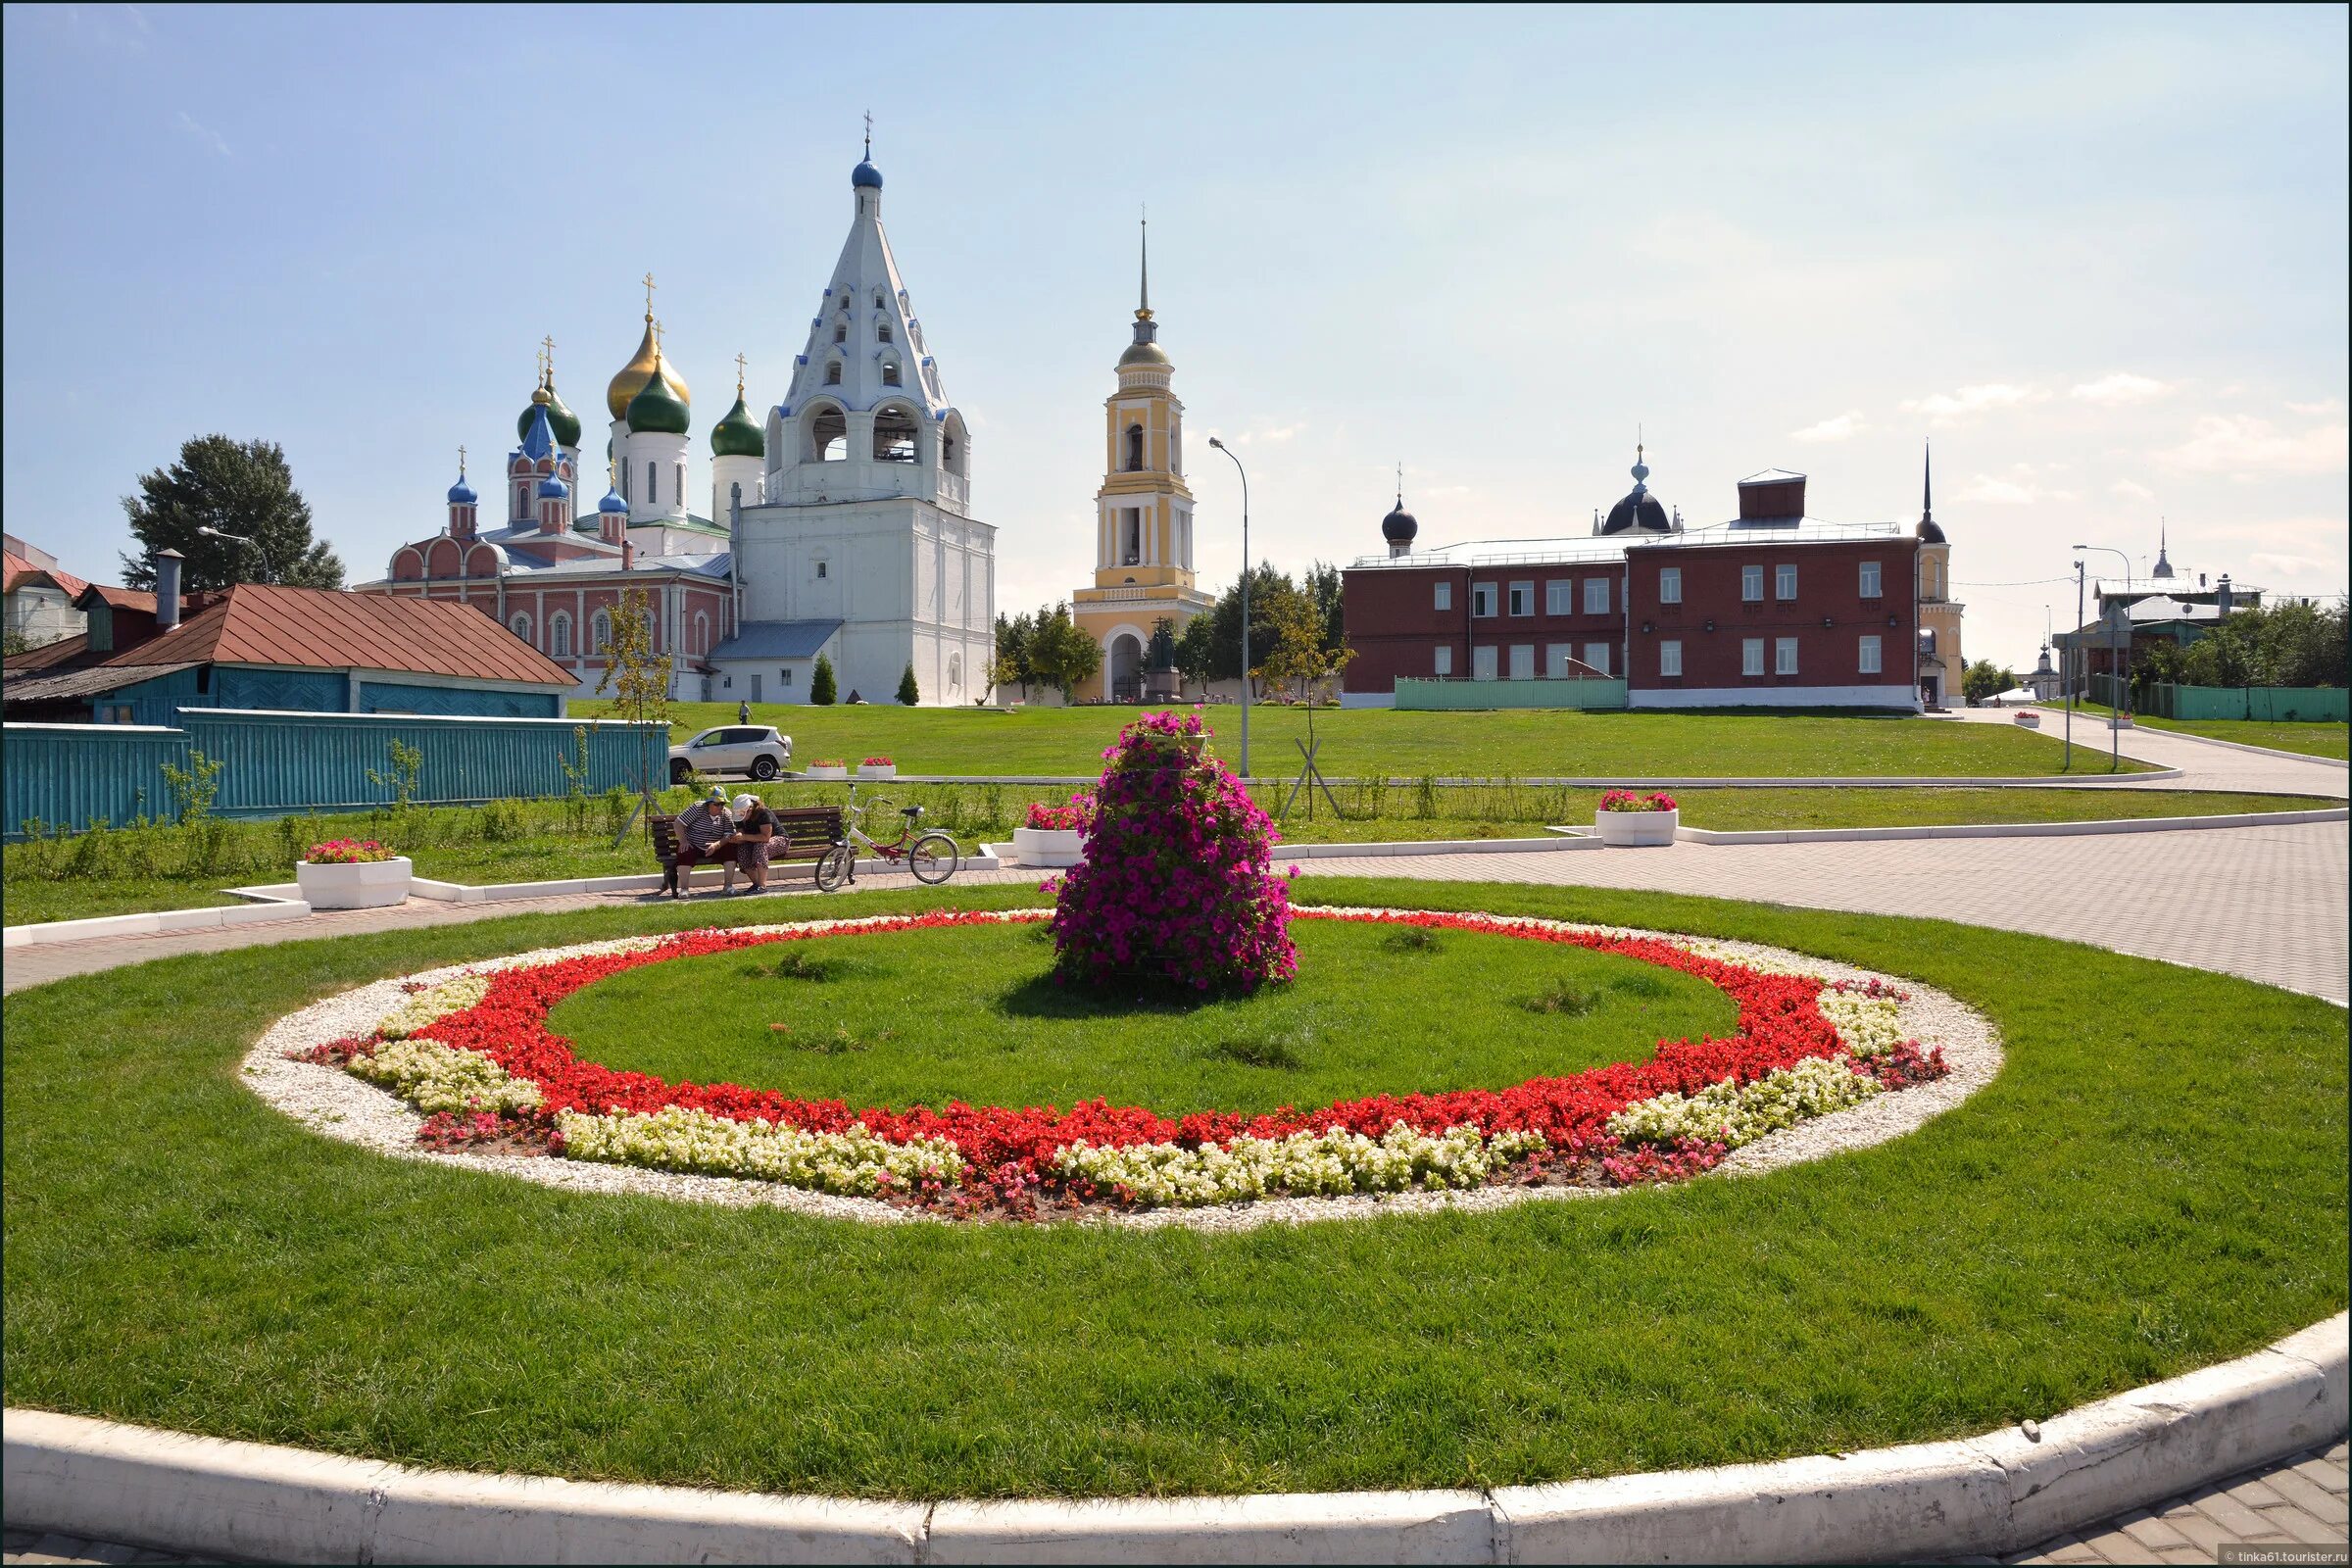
338	1104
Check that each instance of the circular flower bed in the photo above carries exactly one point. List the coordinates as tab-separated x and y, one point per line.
472	1053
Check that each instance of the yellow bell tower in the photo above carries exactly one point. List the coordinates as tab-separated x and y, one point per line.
1143	521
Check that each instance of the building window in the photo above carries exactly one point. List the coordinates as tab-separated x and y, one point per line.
1669	585
1445	596
1523	661
653	486
1482	663
1784	583
1783	655
702	633
600	632
521	626
1481	599
890	373
1751	654
832	373
1135	449
1597	654
1669	659
829	435
784	675
1870	579
559	635
1751	587
1560	598
1870	656
1558	656
820	571
894	436
882	333
1522	598
841	332
1597	596
680	479
1444	660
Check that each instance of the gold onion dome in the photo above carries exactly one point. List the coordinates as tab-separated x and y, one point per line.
656	407
634	374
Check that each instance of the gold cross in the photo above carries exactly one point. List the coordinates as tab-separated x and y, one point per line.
869	136
739	363
649	296
461	463
547	359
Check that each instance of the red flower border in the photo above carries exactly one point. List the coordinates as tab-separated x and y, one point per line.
1779	1024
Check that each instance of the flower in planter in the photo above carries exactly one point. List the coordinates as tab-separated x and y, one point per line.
829	762
1075	817
1628	801
347	852
879	762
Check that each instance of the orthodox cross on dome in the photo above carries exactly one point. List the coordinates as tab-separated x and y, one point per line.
461	463
869	136
1401	484
649	298
547	360
1143	311
739	365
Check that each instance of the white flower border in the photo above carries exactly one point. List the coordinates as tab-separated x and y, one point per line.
335	1103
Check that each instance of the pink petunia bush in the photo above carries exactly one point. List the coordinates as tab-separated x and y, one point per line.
1178	883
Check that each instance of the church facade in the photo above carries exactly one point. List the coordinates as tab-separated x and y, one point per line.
1143	523
839	526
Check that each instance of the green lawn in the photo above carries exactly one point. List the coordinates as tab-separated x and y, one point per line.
533	841
1365	742
926	1017
2310	740
2107	1212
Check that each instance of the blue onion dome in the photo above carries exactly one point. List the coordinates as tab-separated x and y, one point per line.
552	488
462	494
613	502
865	176
738	434
1398	526
656	408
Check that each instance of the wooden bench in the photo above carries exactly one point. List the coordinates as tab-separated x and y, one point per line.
804	833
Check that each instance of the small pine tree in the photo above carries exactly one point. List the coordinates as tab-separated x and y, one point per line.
908	694
823	691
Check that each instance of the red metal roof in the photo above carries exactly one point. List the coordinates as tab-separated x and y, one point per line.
13	566
320	628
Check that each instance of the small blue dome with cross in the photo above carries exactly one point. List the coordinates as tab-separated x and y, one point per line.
865	176
462	494
612	503
552	488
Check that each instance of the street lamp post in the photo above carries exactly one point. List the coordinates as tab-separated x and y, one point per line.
207	531
1244	473
2121	708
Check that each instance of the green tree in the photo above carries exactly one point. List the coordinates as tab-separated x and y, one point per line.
1325	586
822	690
1298	660
238	487
1984	679
1060	656
1268	588
1012	666
13	641
638	676
909	695
1196	650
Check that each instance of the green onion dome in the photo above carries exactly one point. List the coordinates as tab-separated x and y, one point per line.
656	408
565	423
738	434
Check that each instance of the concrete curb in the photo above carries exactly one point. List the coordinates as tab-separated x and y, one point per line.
1627	782
1346	851
2014	830
1991	1494
147	925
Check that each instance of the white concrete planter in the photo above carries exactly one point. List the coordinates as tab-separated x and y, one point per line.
2029	720
880	770
1636	828
829	772
365	885
2119	722
1047	847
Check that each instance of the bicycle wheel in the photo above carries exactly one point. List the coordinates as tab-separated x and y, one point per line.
836	866
934	857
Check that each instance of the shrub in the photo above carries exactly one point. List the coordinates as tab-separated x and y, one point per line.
823	691
1177	884
908	694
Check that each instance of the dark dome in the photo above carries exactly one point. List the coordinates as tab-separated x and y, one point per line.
1637	512
865	176
1930	532
1398	526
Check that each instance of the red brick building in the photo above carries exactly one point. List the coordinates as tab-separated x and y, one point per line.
1772	609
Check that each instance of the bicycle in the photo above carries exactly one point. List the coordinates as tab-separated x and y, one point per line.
931	856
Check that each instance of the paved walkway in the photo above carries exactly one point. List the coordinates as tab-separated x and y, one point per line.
2204	765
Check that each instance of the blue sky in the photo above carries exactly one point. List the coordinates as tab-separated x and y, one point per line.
2098	256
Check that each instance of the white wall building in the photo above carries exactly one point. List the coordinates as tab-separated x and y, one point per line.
864	519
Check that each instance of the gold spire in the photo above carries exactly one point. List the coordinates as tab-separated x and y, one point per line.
1143	312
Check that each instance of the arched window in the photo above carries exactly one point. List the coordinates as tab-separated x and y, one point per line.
559	635
880	304
832	373
829	435
950	453
841	332
702	634
600	632
882	333
653	486
521	626
522	500
680	476
1135	449
894	436
890	373
956	673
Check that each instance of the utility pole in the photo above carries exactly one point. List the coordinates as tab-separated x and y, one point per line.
2073	653
1244	473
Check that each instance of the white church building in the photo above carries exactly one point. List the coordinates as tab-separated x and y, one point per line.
858	537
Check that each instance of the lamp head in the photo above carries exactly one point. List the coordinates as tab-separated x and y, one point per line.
1215	442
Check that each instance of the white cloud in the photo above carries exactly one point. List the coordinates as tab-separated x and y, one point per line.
1276	434
2320	410
1838	427
2246	447
1949	408
210	138
2283	565
2111	391
2132	488
2020	489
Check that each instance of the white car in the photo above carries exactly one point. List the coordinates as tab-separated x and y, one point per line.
753	749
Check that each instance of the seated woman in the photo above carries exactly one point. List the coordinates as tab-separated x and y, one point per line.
755	835
703	833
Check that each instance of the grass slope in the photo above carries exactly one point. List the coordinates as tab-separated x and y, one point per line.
931	1016
1364	742
2156	1181
2319	739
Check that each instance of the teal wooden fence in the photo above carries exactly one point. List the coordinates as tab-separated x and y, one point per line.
2326	704
277	762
